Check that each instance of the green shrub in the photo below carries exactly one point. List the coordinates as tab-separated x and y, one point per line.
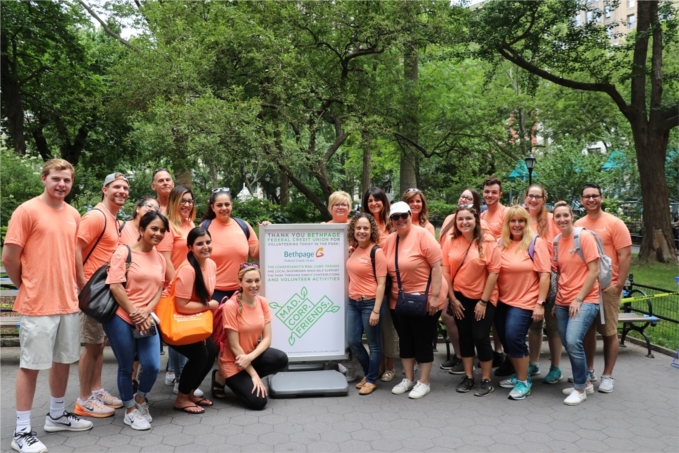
20	182
438	211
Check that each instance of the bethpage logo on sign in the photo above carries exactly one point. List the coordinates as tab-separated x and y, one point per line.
299	313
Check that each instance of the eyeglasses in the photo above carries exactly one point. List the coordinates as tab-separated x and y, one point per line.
221	189
340	205
590	197
401	216
246	265
534	197
465	197
150	206
187	202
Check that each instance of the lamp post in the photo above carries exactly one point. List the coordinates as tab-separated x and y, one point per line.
267	178
530	163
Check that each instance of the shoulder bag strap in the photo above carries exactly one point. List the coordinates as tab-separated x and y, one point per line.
463	261
372	259
99	238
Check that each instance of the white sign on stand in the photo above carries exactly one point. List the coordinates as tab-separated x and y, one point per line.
304	279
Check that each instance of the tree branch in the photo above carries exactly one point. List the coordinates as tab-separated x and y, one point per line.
341	138
106	27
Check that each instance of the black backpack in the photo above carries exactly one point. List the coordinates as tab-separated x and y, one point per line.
241	223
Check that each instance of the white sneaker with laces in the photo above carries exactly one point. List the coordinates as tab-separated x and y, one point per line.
109	400
607	383
589	390
419	390
143	409
26	442
169	378
136	421
405	386
67	422
575	398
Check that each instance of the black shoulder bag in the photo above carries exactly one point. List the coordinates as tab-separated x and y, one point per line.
96	299
410	304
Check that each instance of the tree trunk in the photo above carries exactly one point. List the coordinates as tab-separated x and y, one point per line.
408	172
180	164
651	148
71	151
284	187
367	157
11	97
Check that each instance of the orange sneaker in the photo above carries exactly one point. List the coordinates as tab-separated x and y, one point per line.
93	408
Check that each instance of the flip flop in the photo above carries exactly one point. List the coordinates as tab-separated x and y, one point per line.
217	390
186	409
203	402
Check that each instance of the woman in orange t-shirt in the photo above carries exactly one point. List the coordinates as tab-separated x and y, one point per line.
542	223
132	329
376	202
471	263
194	284
418	206
247	356
366	293
339	205
419	263
522	285
577	299
130	232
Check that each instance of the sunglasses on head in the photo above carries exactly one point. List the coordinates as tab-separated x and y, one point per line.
246	265
401	216
221	189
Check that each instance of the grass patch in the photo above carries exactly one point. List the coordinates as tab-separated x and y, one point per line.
655	274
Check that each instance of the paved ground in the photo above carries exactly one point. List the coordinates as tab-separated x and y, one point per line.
642	415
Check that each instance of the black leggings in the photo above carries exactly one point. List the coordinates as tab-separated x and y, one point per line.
271	361
416	335
201	357
472	332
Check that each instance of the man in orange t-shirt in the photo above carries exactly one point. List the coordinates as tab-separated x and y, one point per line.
495	217
98	237
617	244
162	185
38	256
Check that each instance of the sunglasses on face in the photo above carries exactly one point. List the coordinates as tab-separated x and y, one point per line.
396	217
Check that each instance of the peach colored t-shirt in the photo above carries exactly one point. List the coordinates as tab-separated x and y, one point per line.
47	236
360	269
470	278
229	250
384	234
144	277
416	253
451	218
185	280
250	327
614	236
519	279
495	220
552	231
573	270
175	243
130	235
429	227
89	230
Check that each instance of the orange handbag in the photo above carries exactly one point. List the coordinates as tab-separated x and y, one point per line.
178	329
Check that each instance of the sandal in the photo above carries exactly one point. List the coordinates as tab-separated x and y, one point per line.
217	389
203	402
186	409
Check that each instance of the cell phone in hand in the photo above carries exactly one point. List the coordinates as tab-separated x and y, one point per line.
136	333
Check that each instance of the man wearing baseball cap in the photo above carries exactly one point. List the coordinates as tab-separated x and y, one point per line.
97	239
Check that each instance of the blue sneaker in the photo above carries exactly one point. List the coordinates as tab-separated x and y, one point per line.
554	375
520	391
510	382
533	369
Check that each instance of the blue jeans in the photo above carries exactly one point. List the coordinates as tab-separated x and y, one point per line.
358	317
572	333
176	363
125	346
512	326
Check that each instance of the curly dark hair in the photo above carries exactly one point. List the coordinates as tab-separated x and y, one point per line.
374	229
478	232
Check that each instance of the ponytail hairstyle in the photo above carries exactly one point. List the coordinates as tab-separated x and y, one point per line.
562	204
513	212
543	227
149	217
141	202
244	268
209	212
378	194
199	283
476	204
478	232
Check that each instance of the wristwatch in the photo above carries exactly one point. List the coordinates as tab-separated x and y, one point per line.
540	302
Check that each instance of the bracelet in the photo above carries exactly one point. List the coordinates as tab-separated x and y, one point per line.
578	300
376	312
484	302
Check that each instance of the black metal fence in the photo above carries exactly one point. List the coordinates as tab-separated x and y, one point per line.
661	303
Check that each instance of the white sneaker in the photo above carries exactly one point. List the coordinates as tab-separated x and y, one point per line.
607	383
143	409
67	422
26	442
169	378
405	386
592	376
175	390
136	421
419	390
575	398
589	390
109	400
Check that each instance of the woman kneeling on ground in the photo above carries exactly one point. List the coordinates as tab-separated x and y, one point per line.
194	284
523	285
247	356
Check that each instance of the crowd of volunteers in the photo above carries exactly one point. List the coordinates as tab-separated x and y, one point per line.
510	271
